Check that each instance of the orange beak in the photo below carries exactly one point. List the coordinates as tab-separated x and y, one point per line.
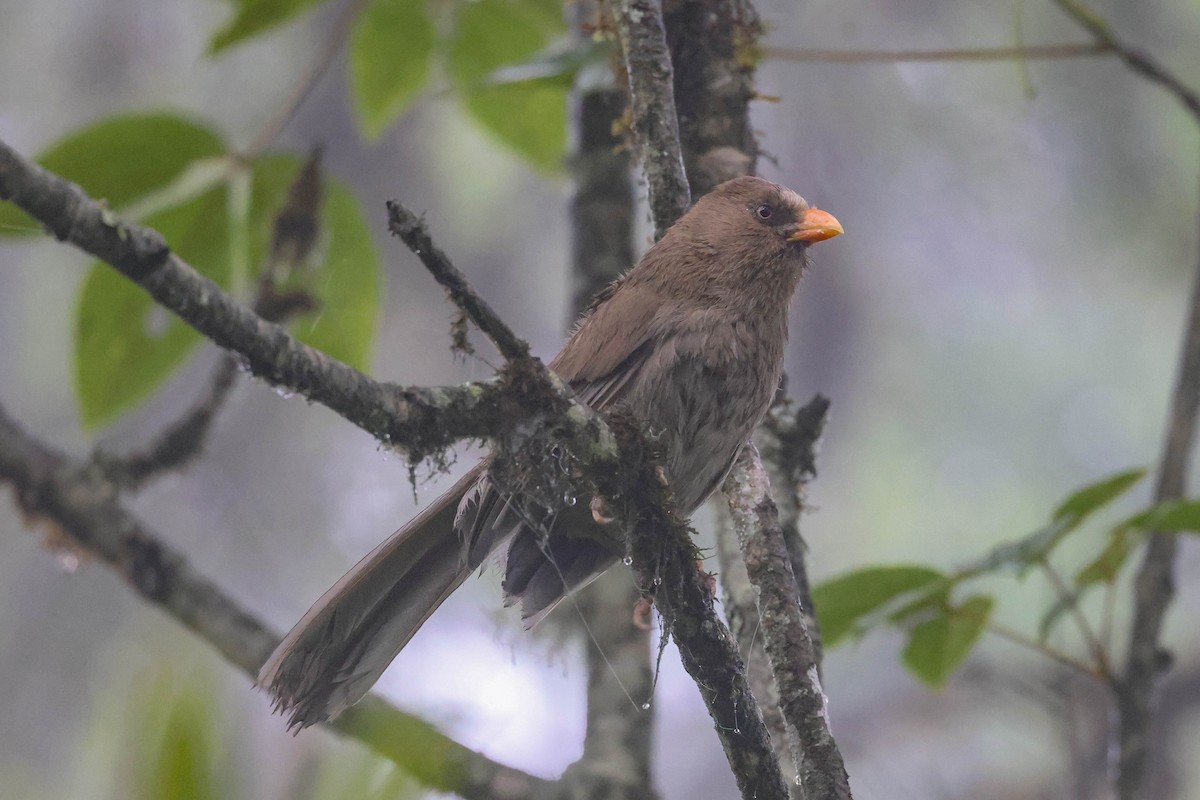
816	225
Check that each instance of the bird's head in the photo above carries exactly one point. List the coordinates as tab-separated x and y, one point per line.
748	218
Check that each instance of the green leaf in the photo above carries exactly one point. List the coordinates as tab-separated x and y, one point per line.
174	743
1094	496
120	159
528	116
843	602
937	647
125	344
1036	547
1172	516
389	60
347	277
253	17
1106	566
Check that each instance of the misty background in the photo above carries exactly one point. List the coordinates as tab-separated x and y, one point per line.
999	325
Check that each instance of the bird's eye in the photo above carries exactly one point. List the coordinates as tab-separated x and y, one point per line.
764	212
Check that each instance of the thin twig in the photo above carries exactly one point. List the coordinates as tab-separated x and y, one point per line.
1065	596
652	95
411	229
180	442
1140	62
336	38
79	502
1016	637
809	55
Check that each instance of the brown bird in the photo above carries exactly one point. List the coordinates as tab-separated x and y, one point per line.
689	342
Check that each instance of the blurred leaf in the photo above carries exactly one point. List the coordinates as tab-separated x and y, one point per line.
1036	547
126	345
348	275
1105	567
1172	516
1094	496
529	115
120	159
1175	516
252	17
389	60
1055	612
937	647
842	602
176	744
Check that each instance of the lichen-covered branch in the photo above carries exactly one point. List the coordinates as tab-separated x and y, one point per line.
652	100
412	231
618	742
714	49
422	420
787	441
79	503
784	632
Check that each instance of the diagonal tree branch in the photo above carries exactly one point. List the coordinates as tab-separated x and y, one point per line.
615	460
80	502
412	231
1140	62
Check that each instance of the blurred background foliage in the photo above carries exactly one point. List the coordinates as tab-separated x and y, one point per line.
998	328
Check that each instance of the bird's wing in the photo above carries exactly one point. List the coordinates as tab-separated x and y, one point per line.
600	361
609	348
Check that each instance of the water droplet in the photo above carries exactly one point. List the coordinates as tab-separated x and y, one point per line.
627	561
658	581
67	560
569	499
737	730
645	706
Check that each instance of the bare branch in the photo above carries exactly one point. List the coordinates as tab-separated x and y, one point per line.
180	442
785	634
808	55
81	503
411	229
788	440
651	90
1140	62
1154	585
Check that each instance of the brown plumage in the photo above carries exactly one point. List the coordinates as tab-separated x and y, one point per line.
690	342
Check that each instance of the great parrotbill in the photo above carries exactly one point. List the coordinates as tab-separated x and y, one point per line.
689	343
